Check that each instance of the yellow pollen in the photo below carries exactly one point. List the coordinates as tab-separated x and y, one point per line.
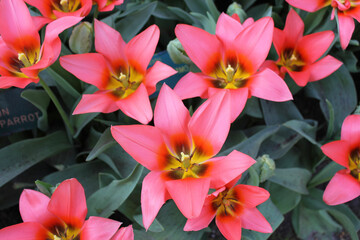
23	58
56	238
65	5
229	73
185	159
293	58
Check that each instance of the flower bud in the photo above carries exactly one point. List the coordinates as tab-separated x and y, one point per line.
236	8
177	52
265	167
81	38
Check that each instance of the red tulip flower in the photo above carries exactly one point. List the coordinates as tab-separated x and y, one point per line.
346	11
61	217
345	185
119	71
124	233
178	151
22	56
299	54
233	208
107	5
230	59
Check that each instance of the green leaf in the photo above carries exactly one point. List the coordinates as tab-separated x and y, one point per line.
18	157
279	112
304	129
313	20
346	222
259	11
106	200
105	142
198	6
283	198
325	174
41	100
294	179
185	16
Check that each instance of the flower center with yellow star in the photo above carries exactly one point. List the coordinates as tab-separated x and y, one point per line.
64	233
354	164
226	204
230	76
125	83
66	5
292	60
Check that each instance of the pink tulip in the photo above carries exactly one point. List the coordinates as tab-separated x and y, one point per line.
22	56
230	59
119	71
178	151
345	185
61	217
107	5
299	54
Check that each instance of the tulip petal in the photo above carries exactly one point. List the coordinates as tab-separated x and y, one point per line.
254	42
43	6
141	48
202	47
96	228
323	68
100	101
89	67
153	196
279	41
33	208
294	29
231	229
227	28
124	233
251	196
270	86
203	220
346	29
238	98
338	151
307	5
159	71
228	168
137	105
141	142
301	78
342	188
350	130
24	231
189	194
251	218
68	203
211	121
6	82
192	85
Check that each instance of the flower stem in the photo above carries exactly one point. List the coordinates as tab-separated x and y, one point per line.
58	106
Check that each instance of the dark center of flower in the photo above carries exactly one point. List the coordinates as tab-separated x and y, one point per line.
226	203
27	58
231	76
125	83
67	233
67	5
354	163
291	60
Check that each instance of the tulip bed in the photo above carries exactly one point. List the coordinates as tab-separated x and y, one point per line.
170	119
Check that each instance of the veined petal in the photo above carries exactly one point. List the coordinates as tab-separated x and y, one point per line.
159	71
254	42
96	228
323	68
33	208
189	194
192	85
231	229
313	46
24	231
227	28
251	218
308	5
6	82
68	203
124	233
338	151
100	101
350	130
335	192
228	168
270	86
203	220
251	196
211	121
153	196
89	67
109	43
141	48
137	105
203	48
143	143
346	29
301	78
294	29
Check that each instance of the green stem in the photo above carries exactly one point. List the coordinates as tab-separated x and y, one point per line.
58	106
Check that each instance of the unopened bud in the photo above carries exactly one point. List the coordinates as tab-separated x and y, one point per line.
265	166
81	38
237	9
177	52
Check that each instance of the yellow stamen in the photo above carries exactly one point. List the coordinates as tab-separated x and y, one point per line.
56	238
185	159
229	73
65	5
23	58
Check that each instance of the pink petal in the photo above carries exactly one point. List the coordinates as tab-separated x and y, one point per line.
248	22
350	130
301	78
137	105
270	86
124	233
323	68
251	196
153	196
252	219
228	168
40	21
33	208
202	47
24	231
96	228
142	47
254	42
192	85
189	194
338	151
156	73
231	229
203	220
294	29
279	41
81	12
109	43
342	188
100	101
143	143
68	203
307	5
270	65
238	98
6	82
89	67
346	29
227	28
43	6
313	46
211	121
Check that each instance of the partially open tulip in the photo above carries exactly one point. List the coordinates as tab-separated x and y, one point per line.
107	5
